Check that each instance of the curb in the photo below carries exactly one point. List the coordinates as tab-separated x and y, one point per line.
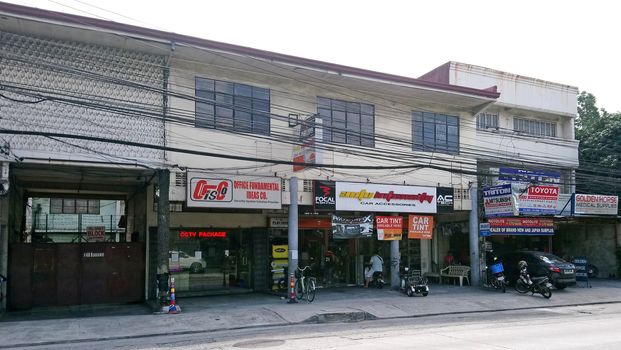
317	319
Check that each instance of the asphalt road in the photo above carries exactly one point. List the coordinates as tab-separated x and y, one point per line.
582	327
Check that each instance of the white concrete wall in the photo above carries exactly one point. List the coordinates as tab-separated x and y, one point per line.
290	94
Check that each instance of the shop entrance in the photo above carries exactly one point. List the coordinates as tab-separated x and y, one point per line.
333	261
204	260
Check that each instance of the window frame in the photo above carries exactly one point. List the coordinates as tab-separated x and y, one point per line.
229	105
347	122
435	132
70	206
486	121
534	127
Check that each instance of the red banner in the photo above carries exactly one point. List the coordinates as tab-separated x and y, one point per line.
520	222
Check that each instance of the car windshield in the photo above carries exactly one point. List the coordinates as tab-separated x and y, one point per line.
551	259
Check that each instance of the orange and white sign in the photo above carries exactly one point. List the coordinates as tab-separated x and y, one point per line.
389	228
420	227
96	233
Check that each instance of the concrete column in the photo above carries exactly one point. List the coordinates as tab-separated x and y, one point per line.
293	225
475	263
163	229
425	255
395	262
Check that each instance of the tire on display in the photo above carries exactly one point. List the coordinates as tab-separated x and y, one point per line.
410	292
520	287
310	293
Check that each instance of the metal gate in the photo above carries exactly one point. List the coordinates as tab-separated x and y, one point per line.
52	274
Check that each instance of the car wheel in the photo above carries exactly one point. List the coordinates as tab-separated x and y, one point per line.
195	267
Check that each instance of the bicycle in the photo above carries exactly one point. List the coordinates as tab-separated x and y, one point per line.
305	286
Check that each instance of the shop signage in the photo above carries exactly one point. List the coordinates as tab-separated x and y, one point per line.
305	150
445	199
420	227
521	226
594	204
389	228
497	201
535	200
512	175
484	228
224	191
352	227
96	233
581	264
93	254
202	234
325	196
278	222
354	196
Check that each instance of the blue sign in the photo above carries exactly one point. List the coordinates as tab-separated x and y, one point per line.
581	268
497	201
520	175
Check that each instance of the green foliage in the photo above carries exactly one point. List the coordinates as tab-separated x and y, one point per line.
599	133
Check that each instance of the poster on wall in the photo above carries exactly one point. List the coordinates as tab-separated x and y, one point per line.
352	227
535	200
96	233
594	204
354	196
231	191
420	227
497	201
389	228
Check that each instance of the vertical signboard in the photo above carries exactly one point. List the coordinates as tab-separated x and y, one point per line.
445	199
420	227
389	228
325	196
305	150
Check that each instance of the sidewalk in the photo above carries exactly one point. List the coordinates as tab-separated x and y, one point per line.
256	310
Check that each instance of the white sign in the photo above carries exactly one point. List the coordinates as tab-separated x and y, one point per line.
279	222
354	196
225	191
595	204
96	233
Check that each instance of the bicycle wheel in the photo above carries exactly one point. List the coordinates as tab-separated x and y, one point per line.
299	292
520	286
310	290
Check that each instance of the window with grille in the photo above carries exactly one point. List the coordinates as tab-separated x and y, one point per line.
487	121
433	132
232	106
534	127
74	206
346	122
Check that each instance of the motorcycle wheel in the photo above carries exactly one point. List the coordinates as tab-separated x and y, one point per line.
521	287
425	293
502	286
546	292
410	292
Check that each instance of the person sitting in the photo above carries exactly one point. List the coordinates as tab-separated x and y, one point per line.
449	259
377	265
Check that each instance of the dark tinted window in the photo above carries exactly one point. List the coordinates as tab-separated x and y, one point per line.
352	123
433	132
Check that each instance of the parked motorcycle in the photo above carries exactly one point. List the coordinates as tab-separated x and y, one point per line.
525	284
413	283
378	280
496	276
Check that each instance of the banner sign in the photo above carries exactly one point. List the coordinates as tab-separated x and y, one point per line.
420	227
445	199
230	191
96	233
521	226
352	227
325	195
305	150
512	175
355	196
497	201
535	200
594	204
389	228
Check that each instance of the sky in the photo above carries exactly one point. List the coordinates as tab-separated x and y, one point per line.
566	42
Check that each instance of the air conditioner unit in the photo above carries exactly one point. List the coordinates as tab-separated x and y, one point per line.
178	183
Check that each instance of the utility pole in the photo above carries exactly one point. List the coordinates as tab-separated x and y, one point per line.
163	230
475	263
293	225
